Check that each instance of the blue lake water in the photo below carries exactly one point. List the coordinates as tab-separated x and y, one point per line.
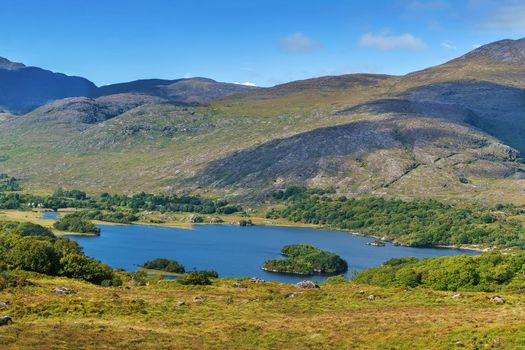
235	251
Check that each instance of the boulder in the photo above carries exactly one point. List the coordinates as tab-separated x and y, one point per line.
256	280
307	285
498	299
3	305
5	320
238	285
456	296
181	303
64	290
199	299
373	297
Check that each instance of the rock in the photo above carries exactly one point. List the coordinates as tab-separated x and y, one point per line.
456	296
377	243
307	284
5	320
181	303
64	290
498	300
256	280
3	305
199	299
238	285
290	295
361	292
372	297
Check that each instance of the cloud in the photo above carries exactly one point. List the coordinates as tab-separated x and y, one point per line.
390	42
188	76
508	17
246	83
475	46
449	45
298	43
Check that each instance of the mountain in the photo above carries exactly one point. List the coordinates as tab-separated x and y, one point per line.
25	88
192	90
453	131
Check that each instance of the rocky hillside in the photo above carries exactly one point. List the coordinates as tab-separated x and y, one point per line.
25	88
453	131
192	90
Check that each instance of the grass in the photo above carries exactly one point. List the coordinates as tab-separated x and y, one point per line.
258	317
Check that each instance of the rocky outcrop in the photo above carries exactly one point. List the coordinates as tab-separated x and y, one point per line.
307	285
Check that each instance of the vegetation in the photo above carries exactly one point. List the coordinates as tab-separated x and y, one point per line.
198	278
164	265
487	272
76	223
120	203
32	248
304	259
417	223
8	183
121	217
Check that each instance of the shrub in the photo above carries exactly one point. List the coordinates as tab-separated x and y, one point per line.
75	223
197	278
164	265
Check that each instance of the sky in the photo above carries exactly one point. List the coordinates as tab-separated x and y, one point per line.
255	42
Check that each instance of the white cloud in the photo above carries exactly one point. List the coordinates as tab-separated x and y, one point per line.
246	83
510	16
449	45
298	43
188	75
389	42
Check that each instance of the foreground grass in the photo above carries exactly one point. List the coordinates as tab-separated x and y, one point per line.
258	317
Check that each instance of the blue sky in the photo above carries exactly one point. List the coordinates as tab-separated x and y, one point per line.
261	42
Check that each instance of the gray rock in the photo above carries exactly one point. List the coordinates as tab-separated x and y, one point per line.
199	299
307	285
256	280
3	305
181	303
456	296
5	320
238	285
373	297
498	299
64	290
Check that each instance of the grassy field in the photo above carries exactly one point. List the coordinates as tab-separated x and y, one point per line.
262	316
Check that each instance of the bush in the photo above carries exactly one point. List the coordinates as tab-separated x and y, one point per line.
33	254
81	266
164	265
75	223
30	229
198	278
486	272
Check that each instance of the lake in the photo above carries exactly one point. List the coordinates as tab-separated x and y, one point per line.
235	251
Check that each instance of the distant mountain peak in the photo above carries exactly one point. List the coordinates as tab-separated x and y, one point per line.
8	65
507	51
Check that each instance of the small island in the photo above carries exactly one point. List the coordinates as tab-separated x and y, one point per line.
305	259
164	265
77	224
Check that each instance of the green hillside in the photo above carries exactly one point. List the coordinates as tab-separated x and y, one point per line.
451	131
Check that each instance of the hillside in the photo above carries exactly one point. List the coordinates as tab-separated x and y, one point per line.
450	131
261	316
25	88
191	90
